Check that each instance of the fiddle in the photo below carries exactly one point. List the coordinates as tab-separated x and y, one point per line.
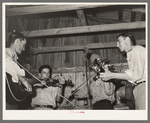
52	82
55	83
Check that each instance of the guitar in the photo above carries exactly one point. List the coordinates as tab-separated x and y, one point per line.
15	92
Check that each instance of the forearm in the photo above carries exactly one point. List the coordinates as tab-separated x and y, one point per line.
22	78
25	82
33	81
58	97
122	76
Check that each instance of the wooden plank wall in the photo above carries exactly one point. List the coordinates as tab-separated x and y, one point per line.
68	59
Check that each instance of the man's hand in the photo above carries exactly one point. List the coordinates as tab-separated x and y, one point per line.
61	80
27	85
68	95
106	76
105	67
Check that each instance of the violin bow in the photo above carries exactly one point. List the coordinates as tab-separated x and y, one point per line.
94	74
81	85
46	85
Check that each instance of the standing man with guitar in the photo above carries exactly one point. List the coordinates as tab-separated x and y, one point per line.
15	76
136	74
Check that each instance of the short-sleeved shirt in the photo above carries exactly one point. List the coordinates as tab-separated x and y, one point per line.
46	96
99	90
136	59
11	66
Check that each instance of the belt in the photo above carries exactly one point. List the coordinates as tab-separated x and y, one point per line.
101	101
138	84
46	106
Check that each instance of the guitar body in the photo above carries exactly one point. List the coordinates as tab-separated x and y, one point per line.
15	92
126	93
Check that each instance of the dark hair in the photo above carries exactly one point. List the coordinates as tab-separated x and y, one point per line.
13	36
127	34
46	66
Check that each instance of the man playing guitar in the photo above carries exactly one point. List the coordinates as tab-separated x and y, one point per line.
16	44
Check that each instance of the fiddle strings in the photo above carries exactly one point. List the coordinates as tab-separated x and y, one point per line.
46	85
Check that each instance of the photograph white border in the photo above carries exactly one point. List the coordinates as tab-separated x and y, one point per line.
69	114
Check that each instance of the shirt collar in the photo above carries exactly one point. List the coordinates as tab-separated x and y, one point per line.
130	50
11	53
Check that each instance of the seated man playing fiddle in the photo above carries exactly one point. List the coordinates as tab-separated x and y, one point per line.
47	96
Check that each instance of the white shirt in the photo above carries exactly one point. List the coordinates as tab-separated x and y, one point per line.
11	66
136	59
99	91
46	96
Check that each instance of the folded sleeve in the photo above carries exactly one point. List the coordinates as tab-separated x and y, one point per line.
13	69
130	74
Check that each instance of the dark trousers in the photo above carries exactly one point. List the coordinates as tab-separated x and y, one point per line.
103	104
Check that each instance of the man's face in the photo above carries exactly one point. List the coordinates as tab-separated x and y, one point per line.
45	73
21	46
121	44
